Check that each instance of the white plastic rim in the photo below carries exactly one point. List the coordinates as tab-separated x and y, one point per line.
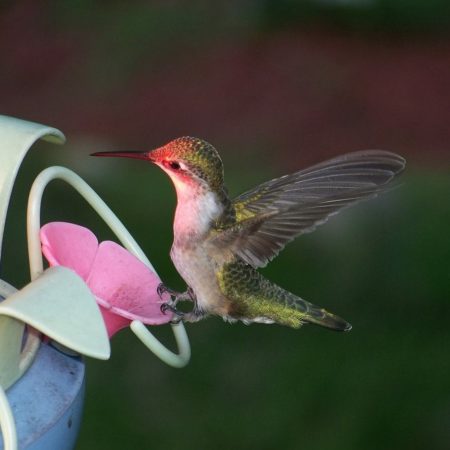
37	266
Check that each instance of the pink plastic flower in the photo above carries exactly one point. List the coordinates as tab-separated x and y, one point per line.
124	287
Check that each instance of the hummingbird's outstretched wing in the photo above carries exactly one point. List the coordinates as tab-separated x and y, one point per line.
275	212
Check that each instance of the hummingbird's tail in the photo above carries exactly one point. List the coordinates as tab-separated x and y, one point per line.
253	298
320	316
295	311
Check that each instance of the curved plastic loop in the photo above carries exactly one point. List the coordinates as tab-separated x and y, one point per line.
7	423
170	358
103	210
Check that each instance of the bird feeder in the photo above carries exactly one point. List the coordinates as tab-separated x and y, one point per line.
66	312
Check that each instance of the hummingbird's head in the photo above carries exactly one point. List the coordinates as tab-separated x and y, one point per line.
189	162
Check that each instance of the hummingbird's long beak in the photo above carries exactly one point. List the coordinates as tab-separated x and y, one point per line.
135	155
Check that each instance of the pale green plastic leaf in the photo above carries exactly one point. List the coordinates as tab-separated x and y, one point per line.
16	137
60	305
11	338
11	331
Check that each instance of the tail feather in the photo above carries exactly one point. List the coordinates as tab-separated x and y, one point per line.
320	316
253	298
309	313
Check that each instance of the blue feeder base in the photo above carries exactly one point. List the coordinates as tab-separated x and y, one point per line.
47	402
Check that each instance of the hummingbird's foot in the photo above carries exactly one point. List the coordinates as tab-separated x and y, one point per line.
162	289
195	315
175	296
169	306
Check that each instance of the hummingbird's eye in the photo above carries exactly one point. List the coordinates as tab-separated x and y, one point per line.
174	165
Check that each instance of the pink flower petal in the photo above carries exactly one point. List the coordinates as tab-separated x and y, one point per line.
69	245
113	322
126	286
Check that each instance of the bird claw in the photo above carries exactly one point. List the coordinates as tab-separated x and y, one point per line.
170	307
162	289
175	297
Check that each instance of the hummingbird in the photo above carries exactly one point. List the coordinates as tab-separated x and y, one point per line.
219	243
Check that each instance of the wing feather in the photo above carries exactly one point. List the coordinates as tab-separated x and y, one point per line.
275	212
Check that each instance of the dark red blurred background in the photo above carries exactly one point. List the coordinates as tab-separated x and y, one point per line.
303	91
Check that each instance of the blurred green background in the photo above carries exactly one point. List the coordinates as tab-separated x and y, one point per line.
275	86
